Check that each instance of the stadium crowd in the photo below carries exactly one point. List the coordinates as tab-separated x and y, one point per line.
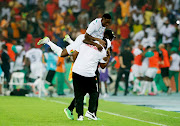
150	29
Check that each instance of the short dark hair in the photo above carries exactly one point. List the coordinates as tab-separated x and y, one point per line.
148	47
126	46
107	16
4	46
109	33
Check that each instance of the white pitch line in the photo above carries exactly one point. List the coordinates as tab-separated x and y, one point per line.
110	113
160	114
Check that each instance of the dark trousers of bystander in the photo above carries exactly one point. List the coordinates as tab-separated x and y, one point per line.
119	76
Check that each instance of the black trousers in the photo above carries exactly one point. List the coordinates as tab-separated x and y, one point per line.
50	76
83	85
73	103
119	76
7	75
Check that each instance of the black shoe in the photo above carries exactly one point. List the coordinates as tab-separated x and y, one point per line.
61	94
126	92
114	94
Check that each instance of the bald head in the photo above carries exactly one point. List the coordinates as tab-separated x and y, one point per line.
161	46
140	47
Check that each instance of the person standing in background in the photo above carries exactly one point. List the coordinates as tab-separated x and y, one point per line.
5	65
11	50
164	65
51	60
126	58
175	66
60	76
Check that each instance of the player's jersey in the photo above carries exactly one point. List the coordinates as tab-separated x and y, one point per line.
137	56
150	41
79	41
96	29
87	60
175	58
18	65
34	55
153	59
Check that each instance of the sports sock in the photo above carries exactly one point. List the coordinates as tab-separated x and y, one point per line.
56	49
154	87
146	83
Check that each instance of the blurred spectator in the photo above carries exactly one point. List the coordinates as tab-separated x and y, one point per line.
148	40
51	60
148	17
164	65
60	70
167	37
147	6
137	27
115	46
51	7
19	62
83	19
11	49
176	4
125	31
125	8
109	6
5	11
151	31
63	4
160	19
125	59
5	65
138	17
175	66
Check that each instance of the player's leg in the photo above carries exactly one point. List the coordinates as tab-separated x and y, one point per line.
69	111
56	49
79	92
126	82
93	93
68	39
119	76
176	76
136	71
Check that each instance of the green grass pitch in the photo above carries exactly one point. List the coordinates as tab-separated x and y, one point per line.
31	111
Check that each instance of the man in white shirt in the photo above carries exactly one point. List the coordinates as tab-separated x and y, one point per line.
18	65
151	31
175	66
34	55
84	71
159	20
138	37
148	41
167	37
137	16
107	34
34	59
94	32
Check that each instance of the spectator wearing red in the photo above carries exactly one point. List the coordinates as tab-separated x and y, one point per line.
125	31
85	4
51	7
147	6
115	46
